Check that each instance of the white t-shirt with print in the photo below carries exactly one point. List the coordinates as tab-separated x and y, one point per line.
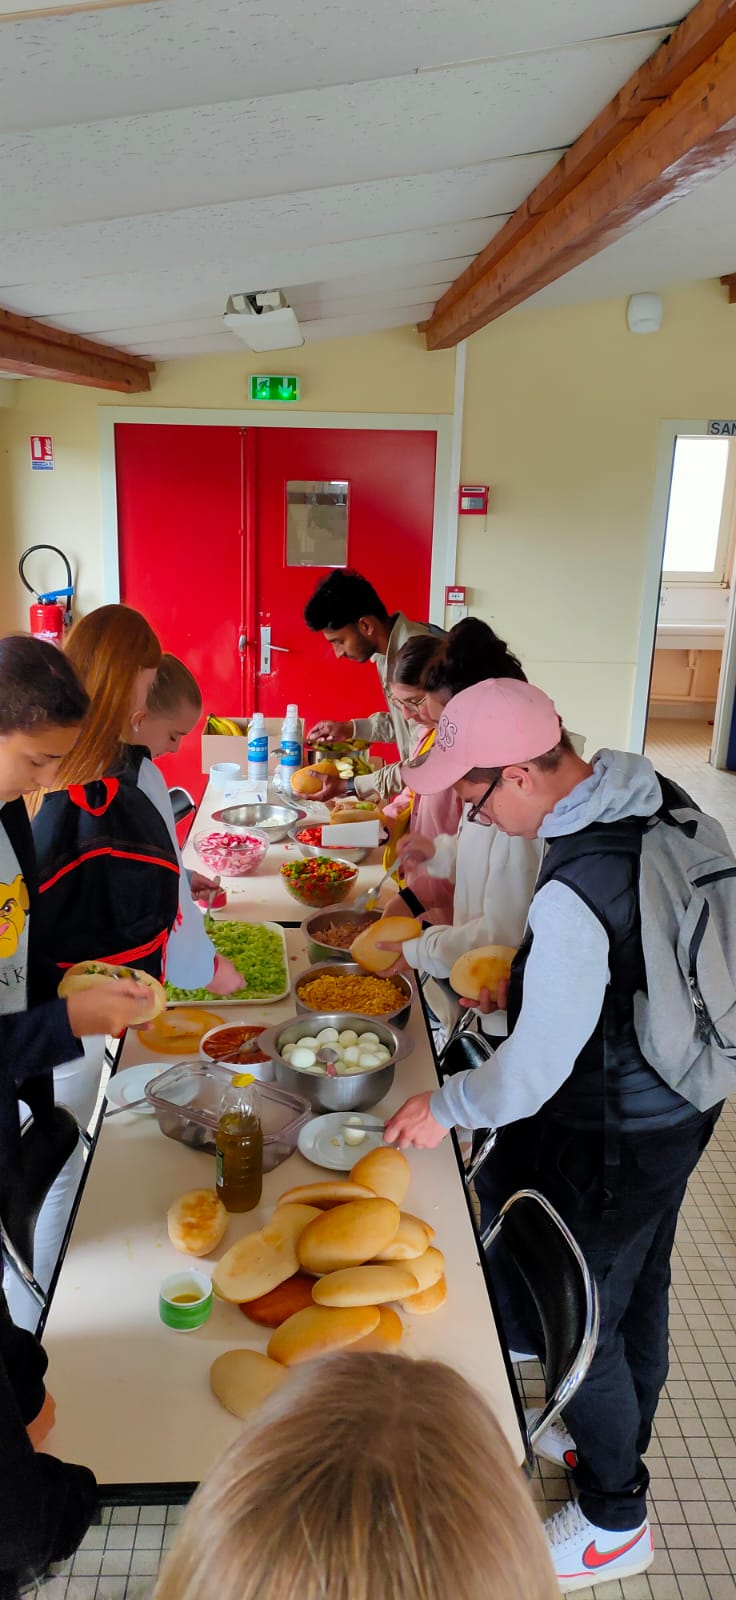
13	929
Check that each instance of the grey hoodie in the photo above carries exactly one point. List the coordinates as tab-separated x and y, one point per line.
567	970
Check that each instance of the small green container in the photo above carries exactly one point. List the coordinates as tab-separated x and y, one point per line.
185	1300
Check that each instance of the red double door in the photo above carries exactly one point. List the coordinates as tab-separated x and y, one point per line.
224	533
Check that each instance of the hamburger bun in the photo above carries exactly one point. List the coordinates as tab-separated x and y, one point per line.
395	930
309	780
347	1236
483	968
196	1222
413	1239
428	1269
327	1194
386	1171
242	1379
420	1305
342	814
261	1261
365	1286
88	974
387	1336
319	1330
271	1309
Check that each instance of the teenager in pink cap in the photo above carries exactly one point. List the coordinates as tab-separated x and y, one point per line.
611	1149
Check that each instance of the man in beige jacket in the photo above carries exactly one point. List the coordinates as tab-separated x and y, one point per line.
346	610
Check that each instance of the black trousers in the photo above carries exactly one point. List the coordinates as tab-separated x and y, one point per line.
628	1252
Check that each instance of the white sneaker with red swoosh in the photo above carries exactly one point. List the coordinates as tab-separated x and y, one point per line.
584	1555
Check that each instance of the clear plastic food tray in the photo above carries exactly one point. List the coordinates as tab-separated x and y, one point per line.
186	1099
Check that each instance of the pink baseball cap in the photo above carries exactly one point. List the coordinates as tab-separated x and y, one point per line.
493	724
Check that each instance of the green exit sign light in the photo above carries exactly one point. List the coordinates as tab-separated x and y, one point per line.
274	387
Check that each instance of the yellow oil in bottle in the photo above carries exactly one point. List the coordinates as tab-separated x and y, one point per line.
239	1146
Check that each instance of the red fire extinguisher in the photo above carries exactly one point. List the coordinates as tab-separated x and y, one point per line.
48	619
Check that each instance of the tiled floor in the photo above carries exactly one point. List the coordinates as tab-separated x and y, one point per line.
693	1455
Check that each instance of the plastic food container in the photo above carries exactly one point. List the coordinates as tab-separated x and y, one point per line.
224	773
318	883
186	1100
232	855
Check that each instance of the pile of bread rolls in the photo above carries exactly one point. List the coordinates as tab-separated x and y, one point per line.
325	1274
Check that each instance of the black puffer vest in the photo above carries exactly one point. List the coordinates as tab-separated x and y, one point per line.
611	1087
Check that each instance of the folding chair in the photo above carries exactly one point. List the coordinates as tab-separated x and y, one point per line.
45	1149
562	1289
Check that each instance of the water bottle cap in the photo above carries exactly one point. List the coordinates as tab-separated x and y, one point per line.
243	1079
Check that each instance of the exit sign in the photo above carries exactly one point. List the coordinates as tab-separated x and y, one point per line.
274	387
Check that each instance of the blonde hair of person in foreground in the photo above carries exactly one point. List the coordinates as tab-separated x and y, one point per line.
365	1477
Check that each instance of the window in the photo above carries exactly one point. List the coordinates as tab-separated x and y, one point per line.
317	524
700	512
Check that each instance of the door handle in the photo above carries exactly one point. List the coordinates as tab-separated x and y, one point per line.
242	644
265	667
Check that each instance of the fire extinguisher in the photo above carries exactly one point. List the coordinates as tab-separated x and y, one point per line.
48	619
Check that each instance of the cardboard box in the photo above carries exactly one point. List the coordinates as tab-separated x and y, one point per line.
228	747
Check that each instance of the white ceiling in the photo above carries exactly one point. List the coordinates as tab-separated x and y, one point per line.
155	158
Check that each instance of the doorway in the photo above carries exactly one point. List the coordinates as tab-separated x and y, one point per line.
690	704
222	532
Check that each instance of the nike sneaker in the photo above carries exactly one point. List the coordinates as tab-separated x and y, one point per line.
584	1555
556	1444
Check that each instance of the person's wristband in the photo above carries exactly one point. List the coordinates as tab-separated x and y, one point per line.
350	786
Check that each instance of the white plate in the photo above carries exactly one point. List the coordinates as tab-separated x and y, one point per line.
321	1140
130	1085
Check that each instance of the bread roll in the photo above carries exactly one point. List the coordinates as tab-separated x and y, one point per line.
342	814
319	1330
483	968
242	1379
261	1261
347	1235
196	1222
387	1336
386	1171
420	1305
394	929
428	1269
412	1239
365	1286
270	1310
88	974
179	1031
308	781
327	1194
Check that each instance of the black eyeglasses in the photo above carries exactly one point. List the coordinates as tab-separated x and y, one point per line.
476	813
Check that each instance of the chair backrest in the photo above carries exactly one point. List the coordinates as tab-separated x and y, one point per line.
560	1284
182	803
45	1149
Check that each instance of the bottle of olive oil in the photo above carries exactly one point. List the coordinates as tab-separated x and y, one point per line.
239	1145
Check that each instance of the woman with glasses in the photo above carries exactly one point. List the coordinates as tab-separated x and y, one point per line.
455	849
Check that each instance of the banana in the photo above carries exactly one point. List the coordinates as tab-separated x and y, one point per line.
224	725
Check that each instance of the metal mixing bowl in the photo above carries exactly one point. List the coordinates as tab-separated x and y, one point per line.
275	820
353	856
356	1091
342	969
316	924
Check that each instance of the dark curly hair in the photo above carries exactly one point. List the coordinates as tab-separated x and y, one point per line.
38	686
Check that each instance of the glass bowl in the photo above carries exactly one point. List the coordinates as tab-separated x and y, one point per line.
318	882
231	855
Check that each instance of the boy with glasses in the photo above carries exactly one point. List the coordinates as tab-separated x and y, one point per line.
585	1118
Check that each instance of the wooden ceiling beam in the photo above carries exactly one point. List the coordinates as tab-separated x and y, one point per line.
34	349
614	149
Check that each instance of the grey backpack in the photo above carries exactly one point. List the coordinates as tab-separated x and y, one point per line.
686	1022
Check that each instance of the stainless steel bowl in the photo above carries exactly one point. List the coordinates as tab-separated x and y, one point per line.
342	969
316	924
275	820
356	1091
352	856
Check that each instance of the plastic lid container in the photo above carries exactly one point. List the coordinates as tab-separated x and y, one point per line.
186	1100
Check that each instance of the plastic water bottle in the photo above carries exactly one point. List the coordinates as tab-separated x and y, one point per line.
291	749
257	749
